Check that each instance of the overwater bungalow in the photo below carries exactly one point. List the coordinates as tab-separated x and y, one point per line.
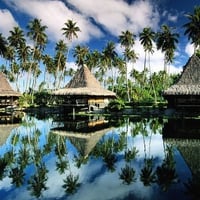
85	91
186	92
83	134
8	97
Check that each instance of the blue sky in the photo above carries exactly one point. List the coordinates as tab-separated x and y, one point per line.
102	21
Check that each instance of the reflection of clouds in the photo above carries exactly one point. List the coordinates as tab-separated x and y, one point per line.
5	184
96	181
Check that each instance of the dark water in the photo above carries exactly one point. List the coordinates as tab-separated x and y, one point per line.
96	158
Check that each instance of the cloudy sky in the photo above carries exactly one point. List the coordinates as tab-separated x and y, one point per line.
102	21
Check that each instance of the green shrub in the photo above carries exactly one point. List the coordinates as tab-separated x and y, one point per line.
116	105
25	100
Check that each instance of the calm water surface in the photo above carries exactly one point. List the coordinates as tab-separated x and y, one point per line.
96	158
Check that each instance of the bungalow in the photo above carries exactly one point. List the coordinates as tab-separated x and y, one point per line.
8	96
84	91
186	92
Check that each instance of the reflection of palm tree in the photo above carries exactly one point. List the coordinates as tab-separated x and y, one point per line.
130	154
10	156
61	165
3	165
80	159
108	153
127	174
38	180
110	159
71	183
24	157
107	149
60	149
147	176
17	174
166	173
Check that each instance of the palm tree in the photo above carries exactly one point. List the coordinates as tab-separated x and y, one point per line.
192	28
147	37
108	57
60	58
49	67
16	38
80	53
127	40
37	34
3	44
93	59
70	30
166	41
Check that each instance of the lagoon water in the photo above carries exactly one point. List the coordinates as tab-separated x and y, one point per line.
99	158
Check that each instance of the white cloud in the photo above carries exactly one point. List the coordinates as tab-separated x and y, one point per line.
117	15
189	49
54	14
156	59
7	22
172	18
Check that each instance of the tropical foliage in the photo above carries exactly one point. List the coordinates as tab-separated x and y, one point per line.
25	62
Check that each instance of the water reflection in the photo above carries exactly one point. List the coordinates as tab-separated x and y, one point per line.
98	158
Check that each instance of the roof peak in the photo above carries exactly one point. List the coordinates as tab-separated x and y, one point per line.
83	78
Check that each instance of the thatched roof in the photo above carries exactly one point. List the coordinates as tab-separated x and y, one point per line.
5	88
190	150
5	131
84	142
189	82
84	83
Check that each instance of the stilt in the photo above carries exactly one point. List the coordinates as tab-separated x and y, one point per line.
73	113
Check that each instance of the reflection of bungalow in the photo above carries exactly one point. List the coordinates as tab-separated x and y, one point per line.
190	151
5	130
184	134
186	92
8	96
84	137
84	91
187	128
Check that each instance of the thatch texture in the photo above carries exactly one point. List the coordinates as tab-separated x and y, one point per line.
5	131
84	83
84	142
5	88
189	82
190	150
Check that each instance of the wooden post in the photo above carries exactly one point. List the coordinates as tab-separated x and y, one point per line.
73	113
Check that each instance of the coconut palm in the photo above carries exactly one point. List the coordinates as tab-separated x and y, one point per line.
70	30
60	62
80	53
36	32
108	57
16	41
49	67
127	40
3	44
146	39
16	38
192	28
93	59
166	41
